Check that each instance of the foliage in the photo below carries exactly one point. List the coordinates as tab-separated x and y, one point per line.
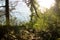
41	26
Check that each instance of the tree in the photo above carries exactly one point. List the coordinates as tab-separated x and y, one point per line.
7	12
4	11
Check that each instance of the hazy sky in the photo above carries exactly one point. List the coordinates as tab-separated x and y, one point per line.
21	12
45	4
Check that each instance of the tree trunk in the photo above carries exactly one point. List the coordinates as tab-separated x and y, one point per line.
7	12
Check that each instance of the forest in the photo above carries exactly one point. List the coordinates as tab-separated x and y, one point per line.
29	20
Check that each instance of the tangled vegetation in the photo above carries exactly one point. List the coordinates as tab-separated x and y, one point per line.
41	26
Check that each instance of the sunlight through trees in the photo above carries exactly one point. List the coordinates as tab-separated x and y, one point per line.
29	20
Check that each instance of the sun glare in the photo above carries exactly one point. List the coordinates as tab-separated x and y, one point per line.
46	4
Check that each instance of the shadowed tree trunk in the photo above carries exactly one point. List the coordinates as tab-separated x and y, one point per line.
7	12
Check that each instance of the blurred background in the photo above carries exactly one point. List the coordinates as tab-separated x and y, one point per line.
29	19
